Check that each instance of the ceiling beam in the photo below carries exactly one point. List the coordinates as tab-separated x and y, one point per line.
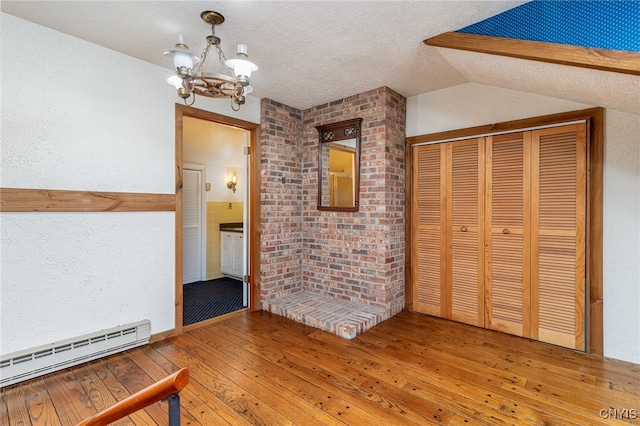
600	59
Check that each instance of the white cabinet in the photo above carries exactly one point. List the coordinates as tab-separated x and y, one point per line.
231	253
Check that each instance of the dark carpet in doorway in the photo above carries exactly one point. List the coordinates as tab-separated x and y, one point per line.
208	299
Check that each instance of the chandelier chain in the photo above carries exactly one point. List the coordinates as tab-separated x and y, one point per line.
221	56
205	52
203	57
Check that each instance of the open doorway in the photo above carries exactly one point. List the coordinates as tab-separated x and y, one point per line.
213	215
214	183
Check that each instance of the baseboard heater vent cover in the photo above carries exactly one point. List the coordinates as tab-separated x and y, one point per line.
24	365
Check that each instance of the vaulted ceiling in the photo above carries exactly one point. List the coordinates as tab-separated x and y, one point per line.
312	52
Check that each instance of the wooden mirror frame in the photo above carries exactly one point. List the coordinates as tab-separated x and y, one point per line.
334	132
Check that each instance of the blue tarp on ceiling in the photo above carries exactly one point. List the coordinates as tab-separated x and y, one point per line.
605	24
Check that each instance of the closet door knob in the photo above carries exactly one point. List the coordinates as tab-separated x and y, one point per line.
463	229
505	231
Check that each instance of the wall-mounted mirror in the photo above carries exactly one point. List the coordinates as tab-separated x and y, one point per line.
339	166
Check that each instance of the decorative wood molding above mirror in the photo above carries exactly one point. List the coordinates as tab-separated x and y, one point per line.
339	166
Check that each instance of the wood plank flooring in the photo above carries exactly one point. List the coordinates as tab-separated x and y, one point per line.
261	369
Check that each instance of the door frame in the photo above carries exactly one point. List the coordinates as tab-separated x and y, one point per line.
594	220
252	197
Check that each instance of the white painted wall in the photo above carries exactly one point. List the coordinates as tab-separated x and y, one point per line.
78	116
68	274
622	236
220	149
473	104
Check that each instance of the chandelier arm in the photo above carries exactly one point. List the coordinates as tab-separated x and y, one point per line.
188	83
193	101
232	102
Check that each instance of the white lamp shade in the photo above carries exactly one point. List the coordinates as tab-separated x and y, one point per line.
241	64
181	56
183	59
175	81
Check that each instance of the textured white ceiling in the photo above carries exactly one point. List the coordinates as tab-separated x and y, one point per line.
313	52
593	87
309	52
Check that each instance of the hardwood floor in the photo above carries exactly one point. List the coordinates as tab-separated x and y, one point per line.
260	369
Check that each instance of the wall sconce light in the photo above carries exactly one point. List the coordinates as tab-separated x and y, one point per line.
233	180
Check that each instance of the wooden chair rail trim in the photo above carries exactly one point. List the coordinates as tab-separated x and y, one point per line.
564	54
57	200
158	391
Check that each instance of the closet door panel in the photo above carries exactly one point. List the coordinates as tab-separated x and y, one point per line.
558	241
428	272
507	240
429	248
466	162
506	309
557	321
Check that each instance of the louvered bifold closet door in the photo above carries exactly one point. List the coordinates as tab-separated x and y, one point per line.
507	238
465	230
558	208
428	243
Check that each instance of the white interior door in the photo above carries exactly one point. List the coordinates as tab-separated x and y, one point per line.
192	229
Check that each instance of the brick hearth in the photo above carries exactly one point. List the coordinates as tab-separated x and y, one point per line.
341	317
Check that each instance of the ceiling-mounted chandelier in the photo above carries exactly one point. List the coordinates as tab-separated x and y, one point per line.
233	82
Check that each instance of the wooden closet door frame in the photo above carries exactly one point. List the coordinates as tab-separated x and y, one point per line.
594	118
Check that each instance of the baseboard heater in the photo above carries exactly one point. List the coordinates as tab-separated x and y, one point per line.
35	362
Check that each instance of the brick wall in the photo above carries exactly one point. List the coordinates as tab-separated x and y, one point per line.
359	256
353	256
281	209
